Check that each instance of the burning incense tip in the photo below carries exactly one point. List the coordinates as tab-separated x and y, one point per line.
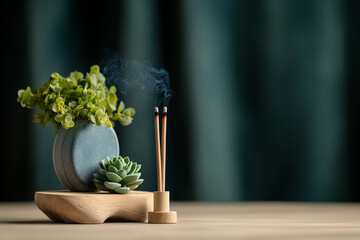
156	110
165	110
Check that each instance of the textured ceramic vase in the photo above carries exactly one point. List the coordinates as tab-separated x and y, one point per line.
77	152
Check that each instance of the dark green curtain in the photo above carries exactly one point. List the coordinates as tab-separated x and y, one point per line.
265	103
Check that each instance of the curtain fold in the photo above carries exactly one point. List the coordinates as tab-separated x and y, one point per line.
139	35
49	51
214	107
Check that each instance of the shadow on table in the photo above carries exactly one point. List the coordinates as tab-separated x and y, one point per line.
28	222
52	222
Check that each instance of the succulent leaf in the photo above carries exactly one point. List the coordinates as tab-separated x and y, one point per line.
113	177
102	164
130	178
122	190
121	173
111	161
132	168
99	177
133	187
136	183
123	162
112	185
103	172
118	164
127	160
96	181
138	167
127	168
112	168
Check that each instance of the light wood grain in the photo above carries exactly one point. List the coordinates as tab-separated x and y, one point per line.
90	207
169	217
162	201
245	220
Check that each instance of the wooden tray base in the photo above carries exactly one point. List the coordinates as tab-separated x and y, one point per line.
94	207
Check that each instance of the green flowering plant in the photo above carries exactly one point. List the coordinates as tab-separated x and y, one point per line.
62	100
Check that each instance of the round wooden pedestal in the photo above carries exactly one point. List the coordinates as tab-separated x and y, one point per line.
162	213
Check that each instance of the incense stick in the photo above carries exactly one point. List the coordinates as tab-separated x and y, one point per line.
161	213
163	146
158	151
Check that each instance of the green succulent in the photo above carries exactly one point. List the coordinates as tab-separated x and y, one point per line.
117	174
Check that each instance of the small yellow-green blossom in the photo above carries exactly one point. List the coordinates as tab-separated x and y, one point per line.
62	100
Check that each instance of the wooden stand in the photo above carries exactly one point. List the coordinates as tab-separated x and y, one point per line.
162	213
94	207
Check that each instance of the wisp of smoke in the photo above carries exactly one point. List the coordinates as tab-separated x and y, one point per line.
126	74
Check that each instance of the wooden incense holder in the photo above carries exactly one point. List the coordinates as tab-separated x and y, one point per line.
162	213
94	207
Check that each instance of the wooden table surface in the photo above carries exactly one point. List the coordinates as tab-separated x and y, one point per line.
245	220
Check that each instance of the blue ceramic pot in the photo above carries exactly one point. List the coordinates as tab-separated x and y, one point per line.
77	152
